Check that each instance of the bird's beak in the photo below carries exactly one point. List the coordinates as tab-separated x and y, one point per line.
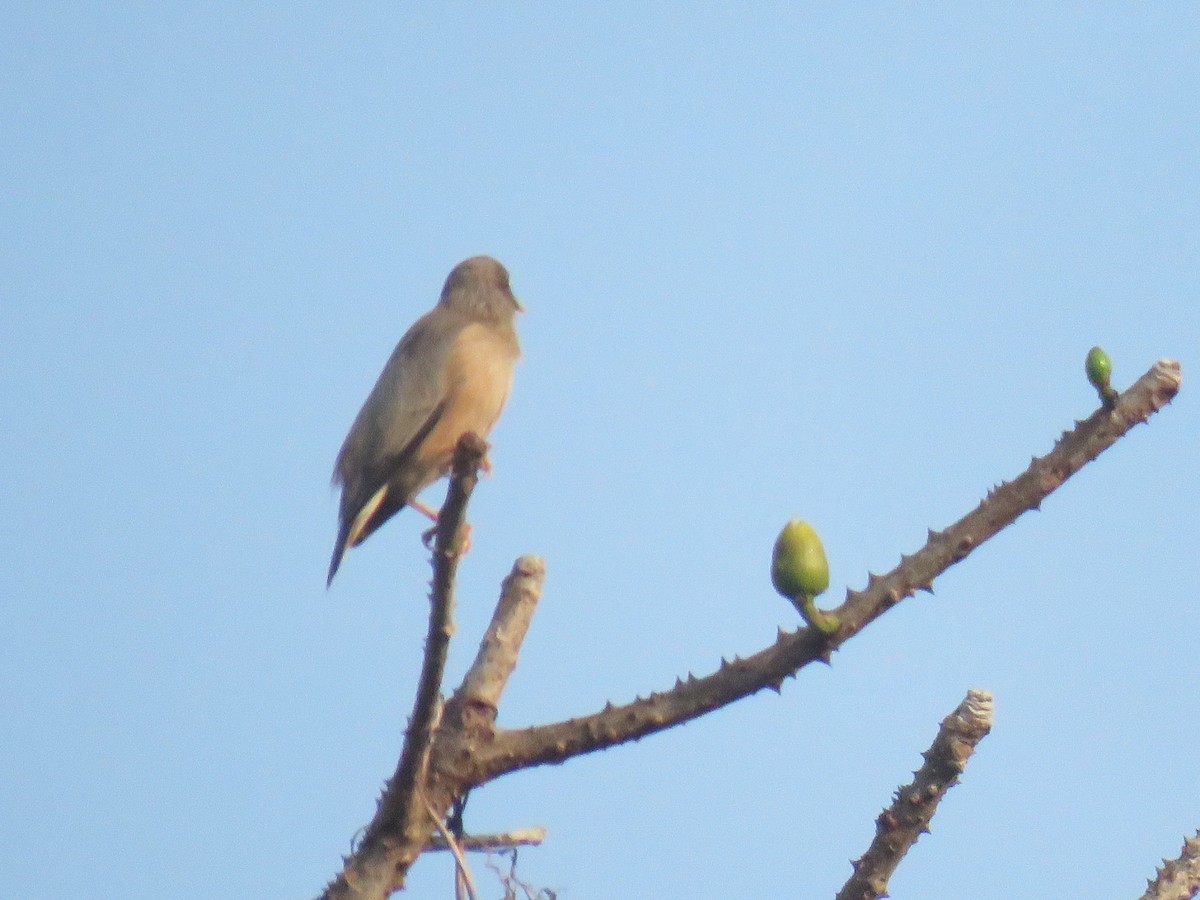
520	307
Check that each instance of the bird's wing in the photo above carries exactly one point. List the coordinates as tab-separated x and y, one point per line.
404	406
400	410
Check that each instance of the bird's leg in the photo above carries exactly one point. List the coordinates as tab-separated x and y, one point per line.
424	510
428	535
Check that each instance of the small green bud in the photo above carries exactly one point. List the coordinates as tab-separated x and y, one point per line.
1098	368
798	565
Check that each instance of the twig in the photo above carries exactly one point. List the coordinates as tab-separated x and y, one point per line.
460	861
488	843
511	882
899	826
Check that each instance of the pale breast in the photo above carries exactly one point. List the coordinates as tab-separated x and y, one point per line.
479	374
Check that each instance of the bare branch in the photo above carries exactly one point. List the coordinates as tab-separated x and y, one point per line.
517	749
376	868
401	798
381	862
511	882
501	644
505	840
464	881
1179	878
900	825
443	761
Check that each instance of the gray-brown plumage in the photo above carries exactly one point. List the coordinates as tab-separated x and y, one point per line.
449	374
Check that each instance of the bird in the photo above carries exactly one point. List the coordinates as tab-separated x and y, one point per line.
450	374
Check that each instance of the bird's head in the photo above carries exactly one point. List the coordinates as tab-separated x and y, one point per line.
479	288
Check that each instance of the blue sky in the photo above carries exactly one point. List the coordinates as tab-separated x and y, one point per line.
778	259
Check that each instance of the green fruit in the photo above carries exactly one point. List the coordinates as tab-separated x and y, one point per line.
1098	368
798	565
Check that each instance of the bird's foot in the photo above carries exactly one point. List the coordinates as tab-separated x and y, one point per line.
463	541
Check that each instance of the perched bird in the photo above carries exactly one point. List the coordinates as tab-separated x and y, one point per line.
449	374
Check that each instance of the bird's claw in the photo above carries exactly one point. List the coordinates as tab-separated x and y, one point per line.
463	542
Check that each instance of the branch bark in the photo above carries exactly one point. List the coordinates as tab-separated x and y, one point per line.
379	864
1178	878
901	824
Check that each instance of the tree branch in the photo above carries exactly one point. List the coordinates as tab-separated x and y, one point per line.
518	749
443	760
901	824
1179	878
401	799
379	864
501	643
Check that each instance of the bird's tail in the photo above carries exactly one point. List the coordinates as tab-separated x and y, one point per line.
339	550
353	532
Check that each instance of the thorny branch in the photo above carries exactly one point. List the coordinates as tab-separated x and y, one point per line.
519	749
899	826
447	759
1178	878
375	869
